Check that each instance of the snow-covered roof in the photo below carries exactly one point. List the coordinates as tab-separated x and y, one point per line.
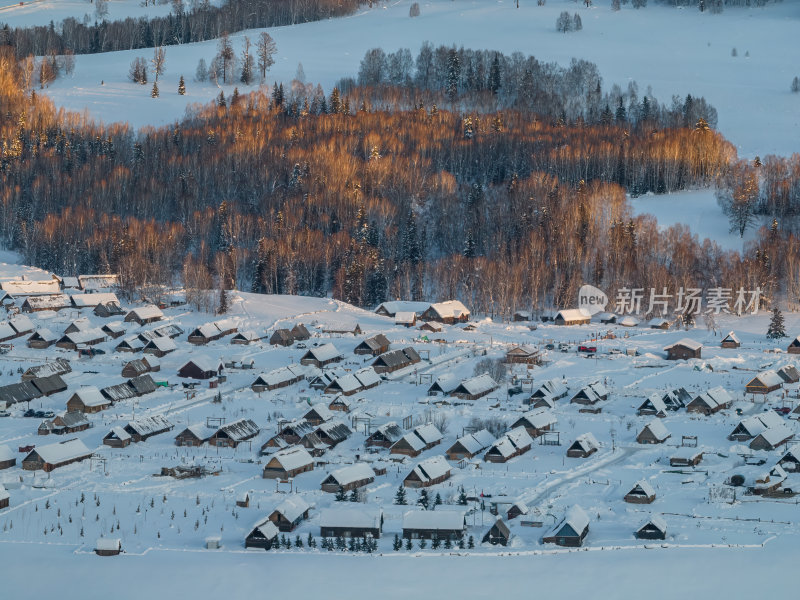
84	336
119	433
586	442
6	453
657	521
539	418
431	468
658	429
551	387
324	353
479	384
367	377
401	317
767	379
21	324
575	518
61	451
360	517
205	363
775	436
51	301
43	334
98	282
282	374
89	300
134	342
7	331
351	474
28	287
393	307
150	424
655	402
442	519
292	507
57	367
293	458
645	487
267	528
475	442
4	495
450	309
573	314
146	312
428	433
322	411
241	429
162	344
732	337
108	544
628	321
686	343
447	383
512	441
90	396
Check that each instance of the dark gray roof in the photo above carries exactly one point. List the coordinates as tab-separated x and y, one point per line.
19	392
143	384
49	385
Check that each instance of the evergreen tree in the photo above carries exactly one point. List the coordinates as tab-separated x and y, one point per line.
340	543
494	75
154	92
423	499
437	501
181	87
462	496
409	544
400	496
436	543
423	544
397	544
687	318
621	112
453	73
471	542
223	302
448	545
341	495
354	496
461	543
311	542
776	327
221	100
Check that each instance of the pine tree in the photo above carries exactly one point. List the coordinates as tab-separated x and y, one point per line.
310	542
221	100
397	544
409	544
154	92
494	75
776	327
436	543
437	501
400	496
423	544
223	302
423	499
687	317
453	73
462	496
448	545
354	496
341	495
471	542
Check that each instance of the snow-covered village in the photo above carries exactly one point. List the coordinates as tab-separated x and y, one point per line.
453	298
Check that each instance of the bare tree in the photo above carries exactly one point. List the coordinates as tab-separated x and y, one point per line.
266	53
159	60
225	55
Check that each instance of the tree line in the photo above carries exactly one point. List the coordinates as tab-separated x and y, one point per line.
203	21
503	210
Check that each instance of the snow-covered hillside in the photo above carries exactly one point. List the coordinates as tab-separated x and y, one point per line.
672	50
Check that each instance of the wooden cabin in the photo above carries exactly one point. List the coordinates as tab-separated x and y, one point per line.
499	533
514	443
53	456
108	547
201	367
710	402
536	421
282	337
475	387
300	332
523	355
653	529
395	360
363	521
571	530
321	356
385	435
88	400
144	315
764	383
348	478
117	438
584	446
684	349
290	513
730	341
375	345
449	312
288	463
440	524
42	338
653	433
572	316
470	445
428	472
264	535
794	346
194	435
686	456
7	458
232	434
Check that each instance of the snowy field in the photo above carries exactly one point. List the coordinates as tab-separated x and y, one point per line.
697	209
672	50
163	522
41	12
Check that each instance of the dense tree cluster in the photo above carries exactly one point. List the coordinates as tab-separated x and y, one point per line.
296	192
487	80
205	21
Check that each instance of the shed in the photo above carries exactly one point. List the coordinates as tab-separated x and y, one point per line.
794	346
641	493
686	456
160	346
300	332
475	387
405	319
318	413
117	438
49	385
653	529
654	406
7	458
130	344
584	445
282	337
194	435
514	443
145	427
789	374
730	341
385	435
108	309
499	533
710	402
108	547
232	434
395	360
590	394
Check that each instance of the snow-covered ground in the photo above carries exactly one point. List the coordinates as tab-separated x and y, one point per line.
163	522
697	209
673	50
